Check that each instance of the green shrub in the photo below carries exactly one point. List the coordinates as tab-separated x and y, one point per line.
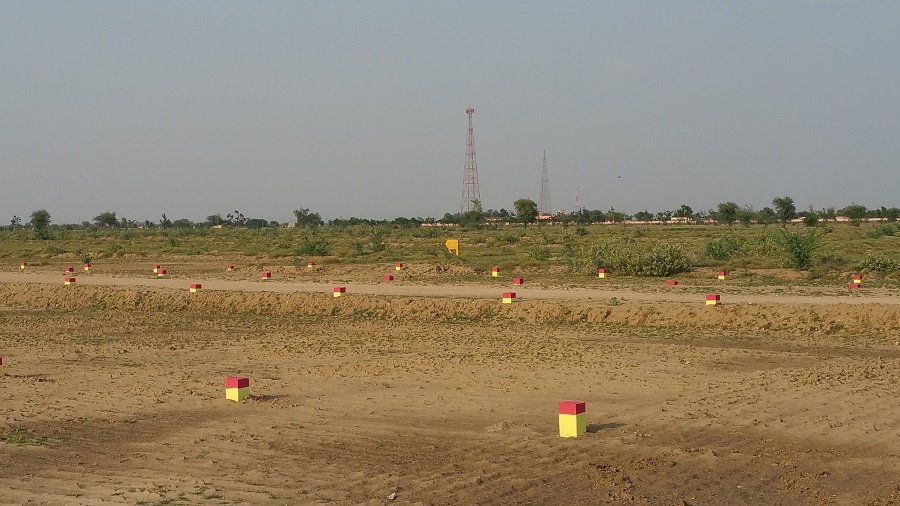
376	243
629	257
765	245
52	249
540	253
800	246
725	248
883	230
880	263
313	247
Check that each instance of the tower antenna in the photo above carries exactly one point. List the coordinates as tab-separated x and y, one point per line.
471	194
577	201
545	190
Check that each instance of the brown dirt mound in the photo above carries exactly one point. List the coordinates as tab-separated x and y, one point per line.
792	320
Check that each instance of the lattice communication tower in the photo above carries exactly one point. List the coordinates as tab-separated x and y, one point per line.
545	190
470	191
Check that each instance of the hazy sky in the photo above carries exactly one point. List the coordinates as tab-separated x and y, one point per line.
357	108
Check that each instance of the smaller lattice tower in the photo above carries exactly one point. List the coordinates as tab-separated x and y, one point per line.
577	201
545	190
470	191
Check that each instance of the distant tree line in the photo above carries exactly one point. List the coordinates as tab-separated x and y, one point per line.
524	211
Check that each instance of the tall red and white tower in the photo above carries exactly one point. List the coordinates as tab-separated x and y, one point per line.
470	192
545	190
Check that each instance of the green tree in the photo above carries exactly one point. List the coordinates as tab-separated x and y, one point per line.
164	221
643	215
684	211
526	211
307	219
40	220
856	213
15	223
727	213
106	219
785	210
473	218
766	216
215	219
257	223
745	215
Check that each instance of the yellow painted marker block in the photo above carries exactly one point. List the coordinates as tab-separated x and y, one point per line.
711	302
572	425
507	300
237	394
337	294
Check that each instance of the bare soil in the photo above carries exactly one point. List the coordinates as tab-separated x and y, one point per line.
432	392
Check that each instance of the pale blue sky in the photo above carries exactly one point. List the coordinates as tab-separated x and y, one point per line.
357	108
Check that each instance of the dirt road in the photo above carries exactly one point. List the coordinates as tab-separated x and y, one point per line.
682	294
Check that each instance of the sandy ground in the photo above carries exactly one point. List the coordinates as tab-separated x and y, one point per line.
437	394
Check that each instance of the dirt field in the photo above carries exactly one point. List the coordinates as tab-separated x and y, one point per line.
435	393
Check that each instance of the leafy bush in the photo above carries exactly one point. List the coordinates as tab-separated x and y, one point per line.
629	257
376	243
43	234
765	245
800	246
540	253
313	247
725	248
52	249
880	263
510	238
883	230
